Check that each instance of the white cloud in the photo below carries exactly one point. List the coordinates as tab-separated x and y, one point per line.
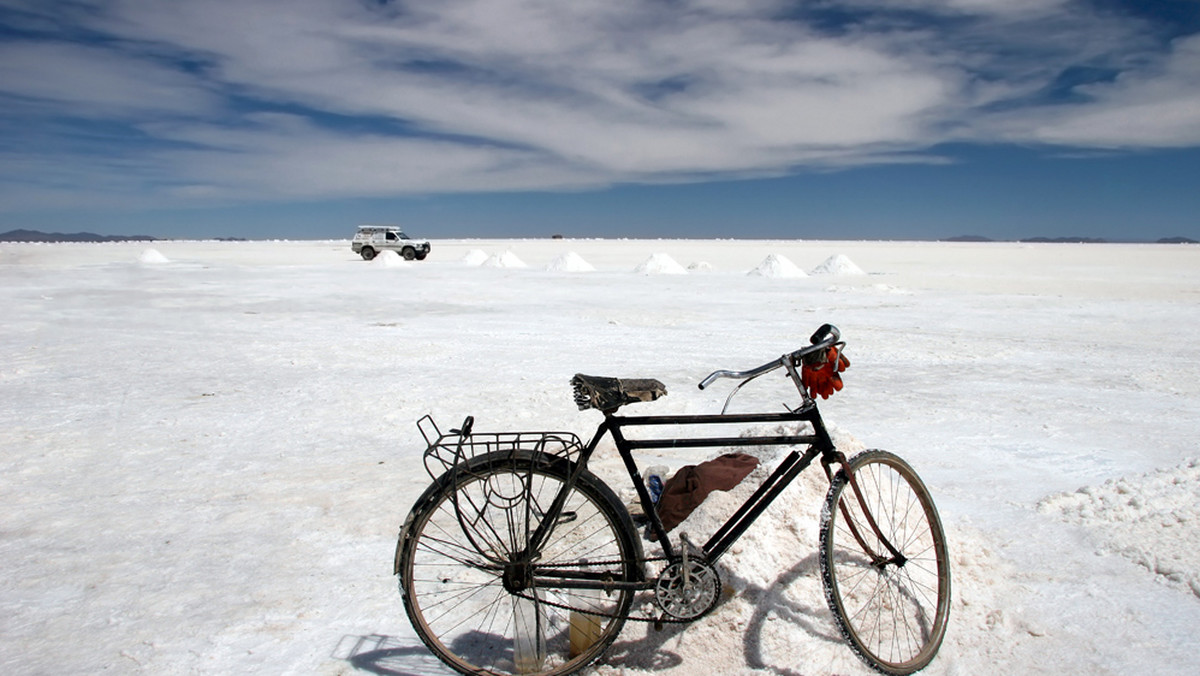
85	81
288	157
525	94
973	7
1156	107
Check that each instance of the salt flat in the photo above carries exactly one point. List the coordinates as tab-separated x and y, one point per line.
206	453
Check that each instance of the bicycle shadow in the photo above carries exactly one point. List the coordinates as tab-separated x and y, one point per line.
772	604
648	653
776	604
388	656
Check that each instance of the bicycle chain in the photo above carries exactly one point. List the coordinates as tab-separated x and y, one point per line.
664	619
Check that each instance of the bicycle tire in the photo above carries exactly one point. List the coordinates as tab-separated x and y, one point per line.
892	611
456	596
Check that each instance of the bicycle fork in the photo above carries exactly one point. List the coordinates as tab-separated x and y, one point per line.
877	560
830	455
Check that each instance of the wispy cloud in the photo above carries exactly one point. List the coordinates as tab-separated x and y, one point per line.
232	100
1156	106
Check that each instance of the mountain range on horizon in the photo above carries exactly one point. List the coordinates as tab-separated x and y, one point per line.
22	235
38	236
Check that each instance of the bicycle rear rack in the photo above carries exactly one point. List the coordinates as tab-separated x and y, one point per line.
449	450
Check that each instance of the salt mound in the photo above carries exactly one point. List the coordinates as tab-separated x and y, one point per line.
788	527
660	264
838	265
570	262
1153	520
508	259
777	266
773	608
152	257
701	266
389	259
475	257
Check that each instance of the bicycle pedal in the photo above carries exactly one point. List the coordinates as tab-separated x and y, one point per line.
691	549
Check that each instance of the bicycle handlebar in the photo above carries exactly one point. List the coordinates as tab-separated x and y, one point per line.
824	338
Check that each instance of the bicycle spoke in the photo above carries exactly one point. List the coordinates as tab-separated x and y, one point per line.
457	596
428	547
477	591
496	541
893	610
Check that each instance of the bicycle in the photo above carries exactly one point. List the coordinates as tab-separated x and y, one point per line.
519	560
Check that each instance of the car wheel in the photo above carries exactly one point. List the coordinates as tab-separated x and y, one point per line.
409	253
367	253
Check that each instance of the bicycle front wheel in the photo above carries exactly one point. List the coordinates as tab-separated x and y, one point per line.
887	583
476	596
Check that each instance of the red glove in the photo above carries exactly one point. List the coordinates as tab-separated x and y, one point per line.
819	374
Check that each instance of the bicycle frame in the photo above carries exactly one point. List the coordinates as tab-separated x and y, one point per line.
542	534
818	443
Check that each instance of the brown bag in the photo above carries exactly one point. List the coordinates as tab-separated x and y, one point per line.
684	491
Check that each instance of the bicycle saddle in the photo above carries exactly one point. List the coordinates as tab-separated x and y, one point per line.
609	394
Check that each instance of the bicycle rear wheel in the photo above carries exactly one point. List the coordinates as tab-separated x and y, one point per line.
468	595
891	604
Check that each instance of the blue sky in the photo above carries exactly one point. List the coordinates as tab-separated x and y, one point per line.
908	119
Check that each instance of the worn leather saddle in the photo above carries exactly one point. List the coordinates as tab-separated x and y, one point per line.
609	394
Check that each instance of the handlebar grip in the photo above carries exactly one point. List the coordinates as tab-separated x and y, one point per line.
713	376
826	336
826	332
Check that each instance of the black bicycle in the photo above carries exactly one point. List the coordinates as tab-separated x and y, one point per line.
518	560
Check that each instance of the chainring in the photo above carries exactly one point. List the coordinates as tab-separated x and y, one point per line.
691	595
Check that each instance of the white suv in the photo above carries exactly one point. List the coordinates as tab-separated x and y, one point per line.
371	239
